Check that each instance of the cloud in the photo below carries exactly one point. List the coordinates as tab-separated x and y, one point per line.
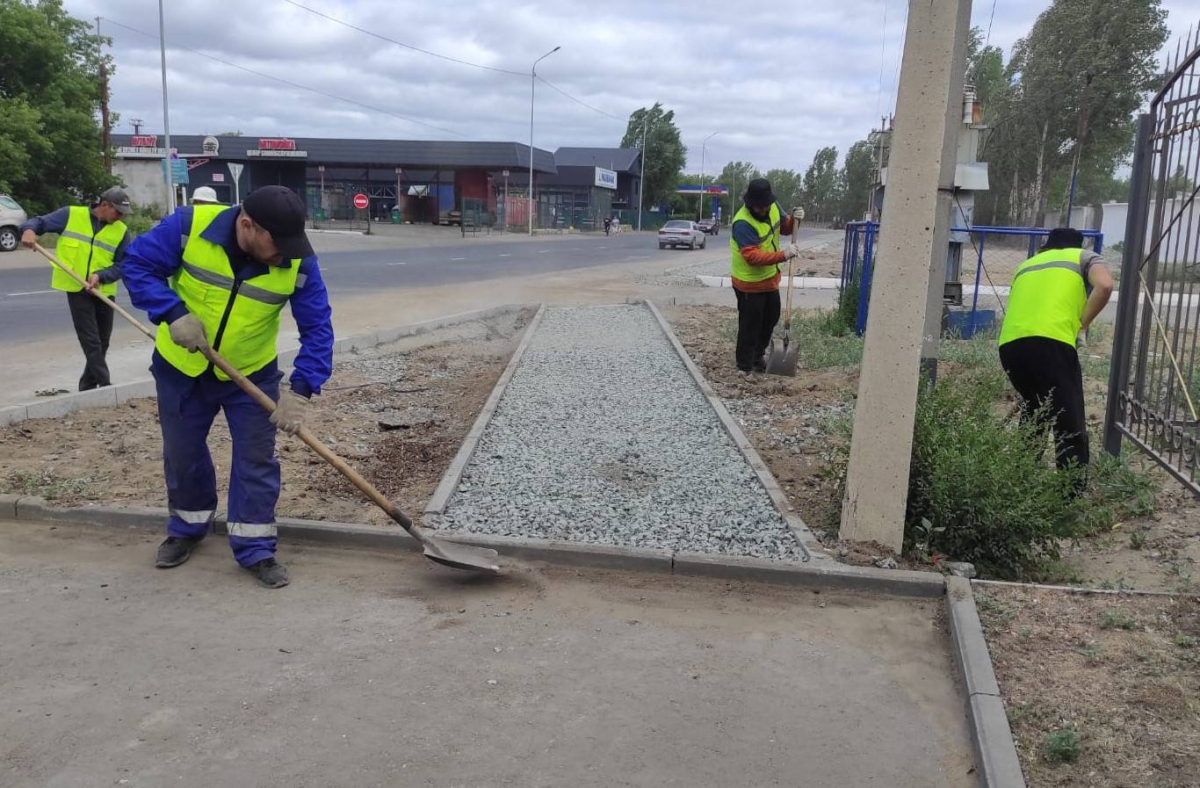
775	81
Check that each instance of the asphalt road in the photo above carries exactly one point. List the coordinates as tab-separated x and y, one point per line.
30	310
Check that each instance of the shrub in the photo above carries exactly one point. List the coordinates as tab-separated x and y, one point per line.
1062	746
980	490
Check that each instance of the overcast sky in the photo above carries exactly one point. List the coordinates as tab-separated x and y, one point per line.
775	85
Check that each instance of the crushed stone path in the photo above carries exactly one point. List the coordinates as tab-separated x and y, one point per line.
603	437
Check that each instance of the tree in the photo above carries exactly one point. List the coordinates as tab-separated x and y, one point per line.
665	152
736	175
788	187
1064	109
50	139
858	175
985	68
822	187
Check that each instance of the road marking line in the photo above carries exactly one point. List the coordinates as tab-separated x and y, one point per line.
506	255
454	259
31	292
397	263
543	251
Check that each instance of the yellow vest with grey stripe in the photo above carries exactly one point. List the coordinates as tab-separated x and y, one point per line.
84	252
768	241
241	318
1047	298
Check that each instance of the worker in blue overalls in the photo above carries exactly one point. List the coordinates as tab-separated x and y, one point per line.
220	276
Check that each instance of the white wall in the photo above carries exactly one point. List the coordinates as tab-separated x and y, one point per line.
143	180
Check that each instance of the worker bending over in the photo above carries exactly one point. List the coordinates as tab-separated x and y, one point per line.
220	276
1048	306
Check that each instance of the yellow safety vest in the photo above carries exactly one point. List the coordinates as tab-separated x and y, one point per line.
1047	298
768	241
241	318
86	253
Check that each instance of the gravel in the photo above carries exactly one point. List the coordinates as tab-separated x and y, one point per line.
603	437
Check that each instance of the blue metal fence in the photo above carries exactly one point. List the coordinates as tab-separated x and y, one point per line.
1014	243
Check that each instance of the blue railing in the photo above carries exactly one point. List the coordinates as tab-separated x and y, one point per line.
861	242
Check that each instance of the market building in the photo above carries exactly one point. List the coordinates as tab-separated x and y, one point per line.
428	181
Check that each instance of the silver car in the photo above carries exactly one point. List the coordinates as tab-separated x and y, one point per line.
12	216
679	232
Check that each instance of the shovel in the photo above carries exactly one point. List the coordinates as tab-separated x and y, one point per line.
783	356
449	554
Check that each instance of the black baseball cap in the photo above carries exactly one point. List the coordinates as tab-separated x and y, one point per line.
118	199
280	211
1064	238
759	194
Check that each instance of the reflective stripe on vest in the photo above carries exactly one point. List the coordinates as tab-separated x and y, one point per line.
84	253
240	317
768	241
1047	298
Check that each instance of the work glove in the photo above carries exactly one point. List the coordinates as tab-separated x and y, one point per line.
188	333
290	412
791	252
798	213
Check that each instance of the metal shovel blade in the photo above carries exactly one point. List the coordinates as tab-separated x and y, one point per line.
783	358
461	556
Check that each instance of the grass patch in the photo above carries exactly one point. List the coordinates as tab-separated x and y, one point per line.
825	341
978	352
1062	746
1117	619
48	486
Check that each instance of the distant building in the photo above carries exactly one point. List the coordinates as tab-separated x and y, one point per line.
595	181
427	179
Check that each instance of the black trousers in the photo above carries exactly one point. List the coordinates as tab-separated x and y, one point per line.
1045	370
93	326
757	315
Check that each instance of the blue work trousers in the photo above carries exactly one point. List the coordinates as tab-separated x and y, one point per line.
186	409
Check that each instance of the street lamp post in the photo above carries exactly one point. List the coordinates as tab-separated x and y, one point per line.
162	46
532	94
642	177
700	205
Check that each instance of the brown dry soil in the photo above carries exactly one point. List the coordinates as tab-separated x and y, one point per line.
436	383
1122	672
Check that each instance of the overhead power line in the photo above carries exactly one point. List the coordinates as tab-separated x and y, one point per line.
580	102
448	58
373	34
288	82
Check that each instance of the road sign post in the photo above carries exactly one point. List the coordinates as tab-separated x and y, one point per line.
362	202
236	171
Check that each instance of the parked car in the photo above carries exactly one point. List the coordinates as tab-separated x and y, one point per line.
709	226
678	232
12	216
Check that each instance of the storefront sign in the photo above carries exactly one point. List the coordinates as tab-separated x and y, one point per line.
277	148
144	141
606	179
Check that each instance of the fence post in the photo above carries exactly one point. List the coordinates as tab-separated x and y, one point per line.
864	281
1135	242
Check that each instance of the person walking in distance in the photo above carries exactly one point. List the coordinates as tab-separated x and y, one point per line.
755	246
91	242
212	275
1055	295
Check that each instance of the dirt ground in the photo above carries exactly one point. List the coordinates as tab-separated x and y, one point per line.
386	670
427	392
1120	672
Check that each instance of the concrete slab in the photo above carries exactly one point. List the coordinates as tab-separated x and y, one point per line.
387	670
68	403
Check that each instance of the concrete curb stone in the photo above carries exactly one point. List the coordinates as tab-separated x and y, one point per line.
54	408
450	479
567	553
825	574
991	737
8	505
13	414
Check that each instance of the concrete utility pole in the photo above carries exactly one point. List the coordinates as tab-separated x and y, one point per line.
913	242
642	177
105	118
700	205
162	45
532	94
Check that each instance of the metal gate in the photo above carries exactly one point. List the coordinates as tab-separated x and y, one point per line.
1154	380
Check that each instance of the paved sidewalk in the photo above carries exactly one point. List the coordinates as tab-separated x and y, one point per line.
385	670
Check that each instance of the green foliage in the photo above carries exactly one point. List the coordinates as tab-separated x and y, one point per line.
978	352
857	176
980	478
736	175
1116	492
788	187
142	218
1117	619
49	96
822	185
1066	103
665	151
825	341
1062	746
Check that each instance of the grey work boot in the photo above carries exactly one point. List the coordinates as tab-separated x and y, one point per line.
269	573
174	551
